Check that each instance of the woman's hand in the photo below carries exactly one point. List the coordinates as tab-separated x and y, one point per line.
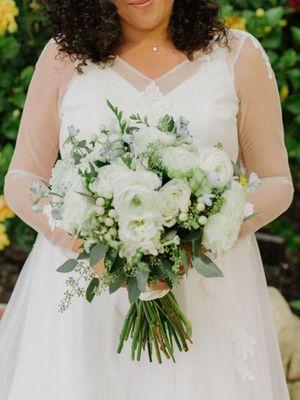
99	267
77	246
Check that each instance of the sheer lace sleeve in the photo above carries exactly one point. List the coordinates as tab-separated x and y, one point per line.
37	143
261	132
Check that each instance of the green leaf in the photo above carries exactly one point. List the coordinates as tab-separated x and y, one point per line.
206	267
142	276
191	235
196	246
292	103
92	288
288	59
98	253
295	304
68	266
296	34
83	256
118	264
133	290
184	259
166	268
116	284
274	15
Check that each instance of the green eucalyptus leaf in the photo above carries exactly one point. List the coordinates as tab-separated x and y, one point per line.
142	276
184	259
92	288
68	266
116	284
98	253
133	290
206	267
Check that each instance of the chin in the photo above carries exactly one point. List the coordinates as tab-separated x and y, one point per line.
144	15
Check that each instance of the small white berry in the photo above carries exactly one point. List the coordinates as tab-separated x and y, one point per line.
202	220
200	206
113	214
100	211
109	221
183	217
112	231
107	237
100	201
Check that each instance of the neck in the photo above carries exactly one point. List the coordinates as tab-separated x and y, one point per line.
143	40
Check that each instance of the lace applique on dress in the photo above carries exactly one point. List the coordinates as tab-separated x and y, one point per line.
152	103
244	347
257	45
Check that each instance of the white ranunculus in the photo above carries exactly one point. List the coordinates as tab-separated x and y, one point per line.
107	179
64	176
140	234
175	196
235	201
149	135
138	177
212	159
220	233
135	201
178	161
77	208
221	229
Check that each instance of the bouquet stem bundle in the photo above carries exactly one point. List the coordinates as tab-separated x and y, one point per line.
158	323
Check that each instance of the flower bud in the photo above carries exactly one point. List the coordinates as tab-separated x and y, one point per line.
202	220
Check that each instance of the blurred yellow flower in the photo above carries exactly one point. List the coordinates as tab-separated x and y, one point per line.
236	22
244	181
8	12
260	12
283	23
4	240
34	5
5	211
284	92
267	29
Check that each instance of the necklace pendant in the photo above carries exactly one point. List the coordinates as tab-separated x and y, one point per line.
155	48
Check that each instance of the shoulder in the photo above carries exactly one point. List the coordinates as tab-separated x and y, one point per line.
52	61
248	51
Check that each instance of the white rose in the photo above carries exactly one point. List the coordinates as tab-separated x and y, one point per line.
214	160
175	196
107	179
135	201
178	161
64	176
149	135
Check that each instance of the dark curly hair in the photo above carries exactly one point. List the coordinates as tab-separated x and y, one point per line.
90	30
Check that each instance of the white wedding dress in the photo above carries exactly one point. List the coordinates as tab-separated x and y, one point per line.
230	96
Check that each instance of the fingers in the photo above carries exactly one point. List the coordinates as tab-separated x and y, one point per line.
99	268
159	285
77	246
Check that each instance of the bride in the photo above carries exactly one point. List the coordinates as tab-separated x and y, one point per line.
150	57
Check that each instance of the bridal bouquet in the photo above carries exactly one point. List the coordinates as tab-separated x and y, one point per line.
149	202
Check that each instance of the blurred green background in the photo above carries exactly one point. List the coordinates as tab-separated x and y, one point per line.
276	23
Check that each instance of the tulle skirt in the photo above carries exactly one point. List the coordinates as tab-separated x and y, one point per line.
47	355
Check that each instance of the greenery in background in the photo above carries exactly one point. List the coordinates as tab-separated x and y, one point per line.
23	35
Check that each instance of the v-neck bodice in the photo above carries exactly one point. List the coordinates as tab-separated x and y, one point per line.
202	90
